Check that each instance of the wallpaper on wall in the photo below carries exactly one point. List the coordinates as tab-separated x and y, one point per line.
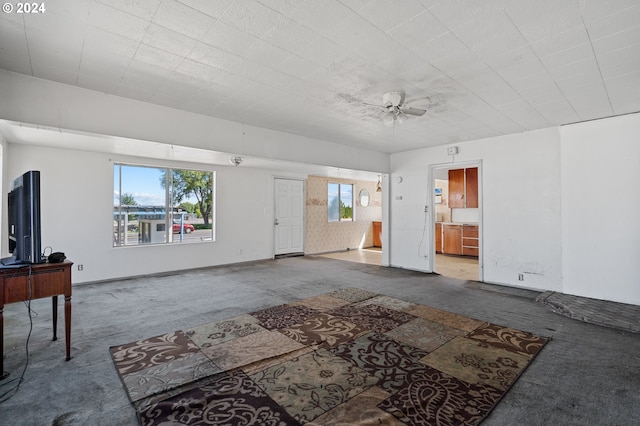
323	236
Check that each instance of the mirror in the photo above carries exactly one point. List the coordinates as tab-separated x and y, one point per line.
364	197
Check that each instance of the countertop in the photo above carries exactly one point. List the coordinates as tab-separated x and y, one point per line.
459	223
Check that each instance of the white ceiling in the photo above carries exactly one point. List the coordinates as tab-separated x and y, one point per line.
311	67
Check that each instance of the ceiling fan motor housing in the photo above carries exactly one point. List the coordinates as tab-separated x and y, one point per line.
392	99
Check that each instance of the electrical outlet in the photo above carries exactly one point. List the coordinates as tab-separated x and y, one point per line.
80	267
520	277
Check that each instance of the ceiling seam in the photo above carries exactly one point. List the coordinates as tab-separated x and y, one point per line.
84	40
555	83
139	42
26	40
507	82
465	87
595	57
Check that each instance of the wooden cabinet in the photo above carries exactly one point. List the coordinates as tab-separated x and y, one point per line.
470	240
456	188
438	237
471	187
463	188
452	239
377	234
457	239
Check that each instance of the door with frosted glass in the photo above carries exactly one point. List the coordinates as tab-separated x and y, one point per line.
289	216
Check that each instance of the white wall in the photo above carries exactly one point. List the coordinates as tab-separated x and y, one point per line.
77	205
520	202
601	209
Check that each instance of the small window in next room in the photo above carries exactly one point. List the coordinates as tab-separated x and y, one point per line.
340	202
153	205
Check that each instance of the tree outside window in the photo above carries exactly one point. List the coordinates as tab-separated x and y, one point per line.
340	202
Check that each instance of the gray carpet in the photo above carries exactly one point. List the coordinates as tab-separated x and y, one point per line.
587	374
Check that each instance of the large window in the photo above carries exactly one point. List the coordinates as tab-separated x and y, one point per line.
340	202
161	205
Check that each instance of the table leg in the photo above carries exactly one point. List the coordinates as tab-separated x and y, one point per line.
67	324
54	303
2	375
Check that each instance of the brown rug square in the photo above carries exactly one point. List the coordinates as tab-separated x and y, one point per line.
348	357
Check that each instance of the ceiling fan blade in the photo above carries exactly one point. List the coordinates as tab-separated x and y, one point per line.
419	102
414	111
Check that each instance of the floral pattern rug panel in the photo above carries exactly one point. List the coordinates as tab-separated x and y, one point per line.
350	357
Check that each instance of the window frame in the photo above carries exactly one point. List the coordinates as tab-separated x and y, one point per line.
168	212
339	200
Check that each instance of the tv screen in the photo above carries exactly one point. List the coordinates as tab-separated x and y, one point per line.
24	220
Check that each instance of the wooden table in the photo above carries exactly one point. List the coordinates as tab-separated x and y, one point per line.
36	282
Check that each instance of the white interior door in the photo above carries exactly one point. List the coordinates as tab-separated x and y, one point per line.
289	216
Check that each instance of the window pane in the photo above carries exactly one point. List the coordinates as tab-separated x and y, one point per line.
346	202
333	202
157	205
192	205
140	214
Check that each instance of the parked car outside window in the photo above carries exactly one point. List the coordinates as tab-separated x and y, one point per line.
188	228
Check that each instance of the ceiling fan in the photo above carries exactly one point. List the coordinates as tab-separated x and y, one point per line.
395	108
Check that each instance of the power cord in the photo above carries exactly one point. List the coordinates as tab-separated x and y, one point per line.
424	228
10	393
424	234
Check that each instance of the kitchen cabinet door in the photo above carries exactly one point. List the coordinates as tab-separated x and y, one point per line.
377	234
452	239
438	238
456	188
471	187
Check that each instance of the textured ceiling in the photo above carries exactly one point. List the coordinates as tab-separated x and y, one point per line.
312	67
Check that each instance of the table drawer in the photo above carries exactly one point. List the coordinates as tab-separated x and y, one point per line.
24	286
48	282
15	289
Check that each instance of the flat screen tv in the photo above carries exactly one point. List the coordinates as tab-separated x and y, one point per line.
23	213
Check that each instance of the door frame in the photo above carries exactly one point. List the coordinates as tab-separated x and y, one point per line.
304	213
432	210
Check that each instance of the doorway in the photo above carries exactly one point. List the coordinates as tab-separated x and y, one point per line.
457	220
289	217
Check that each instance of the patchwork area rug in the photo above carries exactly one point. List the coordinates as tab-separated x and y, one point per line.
350	357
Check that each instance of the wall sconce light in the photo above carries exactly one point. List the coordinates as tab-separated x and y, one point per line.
379	185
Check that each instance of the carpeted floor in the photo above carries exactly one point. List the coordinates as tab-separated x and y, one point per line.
350	357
